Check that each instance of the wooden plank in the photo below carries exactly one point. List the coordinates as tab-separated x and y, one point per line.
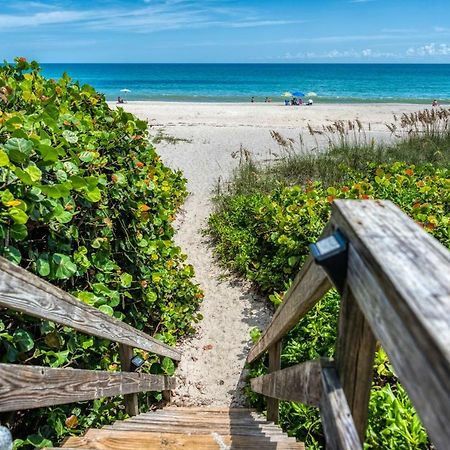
130	400
274	365
400	277
307	289
132	440
22	291
195	428
355	353
339	428
299	383
26	387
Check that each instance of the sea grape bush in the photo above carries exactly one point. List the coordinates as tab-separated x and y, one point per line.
87	204
265	237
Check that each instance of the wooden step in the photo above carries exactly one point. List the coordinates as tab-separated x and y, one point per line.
199	428
190	429
118	440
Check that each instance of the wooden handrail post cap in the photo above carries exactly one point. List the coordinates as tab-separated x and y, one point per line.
331	253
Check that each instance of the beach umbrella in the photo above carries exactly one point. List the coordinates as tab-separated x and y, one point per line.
311	94
287	94
125	91
298	94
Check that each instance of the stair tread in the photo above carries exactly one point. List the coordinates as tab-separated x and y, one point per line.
156	441
188	428
198	428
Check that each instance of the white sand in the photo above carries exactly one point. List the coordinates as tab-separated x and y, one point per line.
212	369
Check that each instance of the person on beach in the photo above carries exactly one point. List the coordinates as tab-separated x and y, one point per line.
120	100
310	102
300	102
435	103
252	100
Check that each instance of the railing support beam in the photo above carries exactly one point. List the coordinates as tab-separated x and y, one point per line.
274	365
355	352
130	400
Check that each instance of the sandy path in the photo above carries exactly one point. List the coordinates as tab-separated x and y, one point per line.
211	371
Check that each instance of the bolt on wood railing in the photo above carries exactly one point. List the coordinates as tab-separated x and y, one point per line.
26	387
396	291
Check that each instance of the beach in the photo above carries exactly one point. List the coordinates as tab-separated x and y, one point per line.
203	140
207	135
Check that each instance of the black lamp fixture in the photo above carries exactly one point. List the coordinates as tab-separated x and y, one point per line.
331	253
136	362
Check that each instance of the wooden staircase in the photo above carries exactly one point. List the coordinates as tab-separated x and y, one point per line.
188	428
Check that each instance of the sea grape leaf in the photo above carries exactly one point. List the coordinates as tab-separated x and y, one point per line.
93	194
106	309
23	340
19	232
13	254
19	216
4	160
168	366
34	173
56	190
125	280
62	266
48	153
43	265
23	176
6	197
53	340
70	136
18	149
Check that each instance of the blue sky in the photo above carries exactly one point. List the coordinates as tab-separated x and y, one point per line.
250	31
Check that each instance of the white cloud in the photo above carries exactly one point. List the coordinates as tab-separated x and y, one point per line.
264	23
367	53
41	18
398	30
442	30
153	15
432	49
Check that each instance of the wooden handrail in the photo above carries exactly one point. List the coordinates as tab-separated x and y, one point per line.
24	387
307	289
21	387
22	291
397	291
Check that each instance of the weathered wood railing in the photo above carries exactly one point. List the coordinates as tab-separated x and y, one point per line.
397	291
26	387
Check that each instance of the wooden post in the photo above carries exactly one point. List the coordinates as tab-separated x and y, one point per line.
131	400
166	396
355	353
274	365
338	425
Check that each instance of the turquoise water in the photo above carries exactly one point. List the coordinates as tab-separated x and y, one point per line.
344	83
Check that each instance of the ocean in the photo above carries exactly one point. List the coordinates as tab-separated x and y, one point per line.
332	83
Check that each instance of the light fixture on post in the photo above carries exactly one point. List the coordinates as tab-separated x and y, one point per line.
136	362
332	253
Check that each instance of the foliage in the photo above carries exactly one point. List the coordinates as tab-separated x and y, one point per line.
86	203
264	237
417	139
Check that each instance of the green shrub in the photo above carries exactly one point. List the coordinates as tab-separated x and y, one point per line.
86	203
264	237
